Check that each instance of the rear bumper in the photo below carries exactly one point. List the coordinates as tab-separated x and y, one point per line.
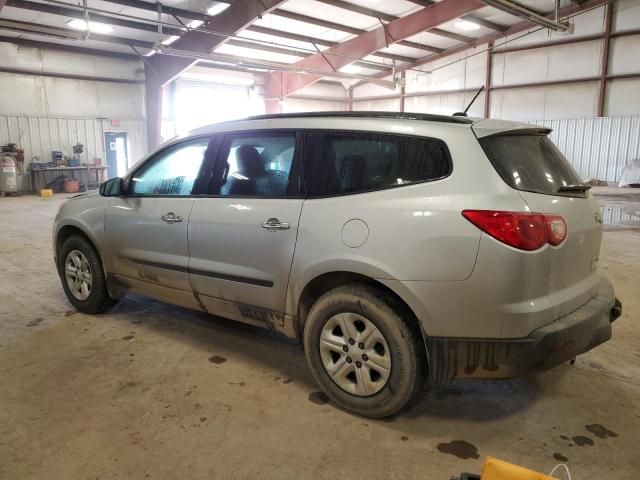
545	347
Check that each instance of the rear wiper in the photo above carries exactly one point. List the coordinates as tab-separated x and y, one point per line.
577	187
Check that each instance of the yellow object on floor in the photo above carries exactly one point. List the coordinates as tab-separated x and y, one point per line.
46	192
494	469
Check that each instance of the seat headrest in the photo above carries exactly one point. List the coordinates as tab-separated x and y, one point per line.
250	162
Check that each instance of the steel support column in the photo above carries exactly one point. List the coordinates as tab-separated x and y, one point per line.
487	81
604	69
403	90
153	106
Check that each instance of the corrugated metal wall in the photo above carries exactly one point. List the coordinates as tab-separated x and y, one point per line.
40	135
597	147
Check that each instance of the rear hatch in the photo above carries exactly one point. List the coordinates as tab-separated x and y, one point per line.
528	161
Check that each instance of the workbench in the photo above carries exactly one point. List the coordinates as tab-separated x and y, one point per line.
89	176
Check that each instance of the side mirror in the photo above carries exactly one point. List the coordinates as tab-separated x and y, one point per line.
112	188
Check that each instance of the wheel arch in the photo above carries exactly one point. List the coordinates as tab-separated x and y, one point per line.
67	231
329	280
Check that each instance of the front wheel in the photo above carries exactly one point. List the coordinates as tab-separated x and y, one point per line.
367	356
82	276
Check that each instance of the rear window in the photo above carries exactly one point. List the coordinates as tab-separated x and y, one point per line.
352	162
531	163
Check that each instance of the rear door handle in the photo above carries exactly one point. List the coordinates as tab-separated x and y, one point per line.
274	224
171	218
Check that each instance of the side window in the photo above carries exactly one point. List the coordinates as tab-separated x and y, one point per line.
257	165
351	162
172	172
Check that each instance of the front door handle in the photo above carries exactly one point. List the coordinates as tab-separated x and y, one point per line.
274	224
171	218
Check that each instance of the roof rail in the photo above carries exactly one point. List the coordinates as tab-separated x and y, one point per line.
394	115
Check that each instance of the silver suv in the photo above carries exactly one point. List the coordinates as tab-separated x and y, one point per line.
399	249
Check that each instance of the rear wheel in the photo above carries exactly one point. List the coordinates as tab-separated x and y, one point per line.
365	355
83	277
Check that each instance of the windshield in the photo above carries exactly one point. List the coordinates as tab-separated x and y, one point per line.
531	163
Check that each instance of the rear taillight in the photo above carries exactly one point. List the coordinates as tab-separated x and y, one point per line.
556	229
525	231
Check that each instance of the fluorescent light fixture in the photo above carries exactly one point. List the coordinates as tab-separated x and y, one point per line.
217	8
95	27
351	69
170	40
466	25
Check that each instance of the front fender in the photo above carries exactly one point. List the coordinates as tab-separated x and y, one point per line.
85	213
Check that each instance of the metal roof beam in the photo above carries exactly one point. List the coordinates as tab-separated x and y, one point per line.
151	26
281	84
345	28
369	12
528	14
68	48
569	10
67	33
75	12
469	18
320	41
161	69
238	16
290	51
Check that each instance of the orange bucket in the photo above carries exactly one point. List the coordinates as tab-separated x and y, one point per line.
71	185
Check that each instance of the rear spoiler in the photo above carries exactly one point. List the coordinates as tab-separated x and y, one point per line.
491	128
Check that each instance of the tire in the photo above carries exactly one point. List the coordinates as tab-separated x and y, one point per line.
97	298
377	392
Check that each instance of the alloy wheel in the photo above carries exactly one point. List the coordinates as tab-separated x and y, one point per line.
78	275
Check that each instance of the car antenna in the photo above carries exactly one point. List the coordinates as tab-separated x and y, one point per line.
464	113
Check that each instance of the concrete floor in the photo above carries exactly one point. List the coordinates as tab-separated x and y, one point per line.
154	391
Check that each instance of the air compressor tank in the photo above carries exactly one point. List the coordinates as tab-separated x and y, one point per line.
8	177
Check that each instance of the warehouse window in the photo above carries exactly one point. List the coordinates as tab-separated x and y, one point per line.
353	162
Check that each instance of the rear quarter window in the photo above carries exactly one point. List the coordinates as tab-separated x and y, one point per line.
339	163
530	163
